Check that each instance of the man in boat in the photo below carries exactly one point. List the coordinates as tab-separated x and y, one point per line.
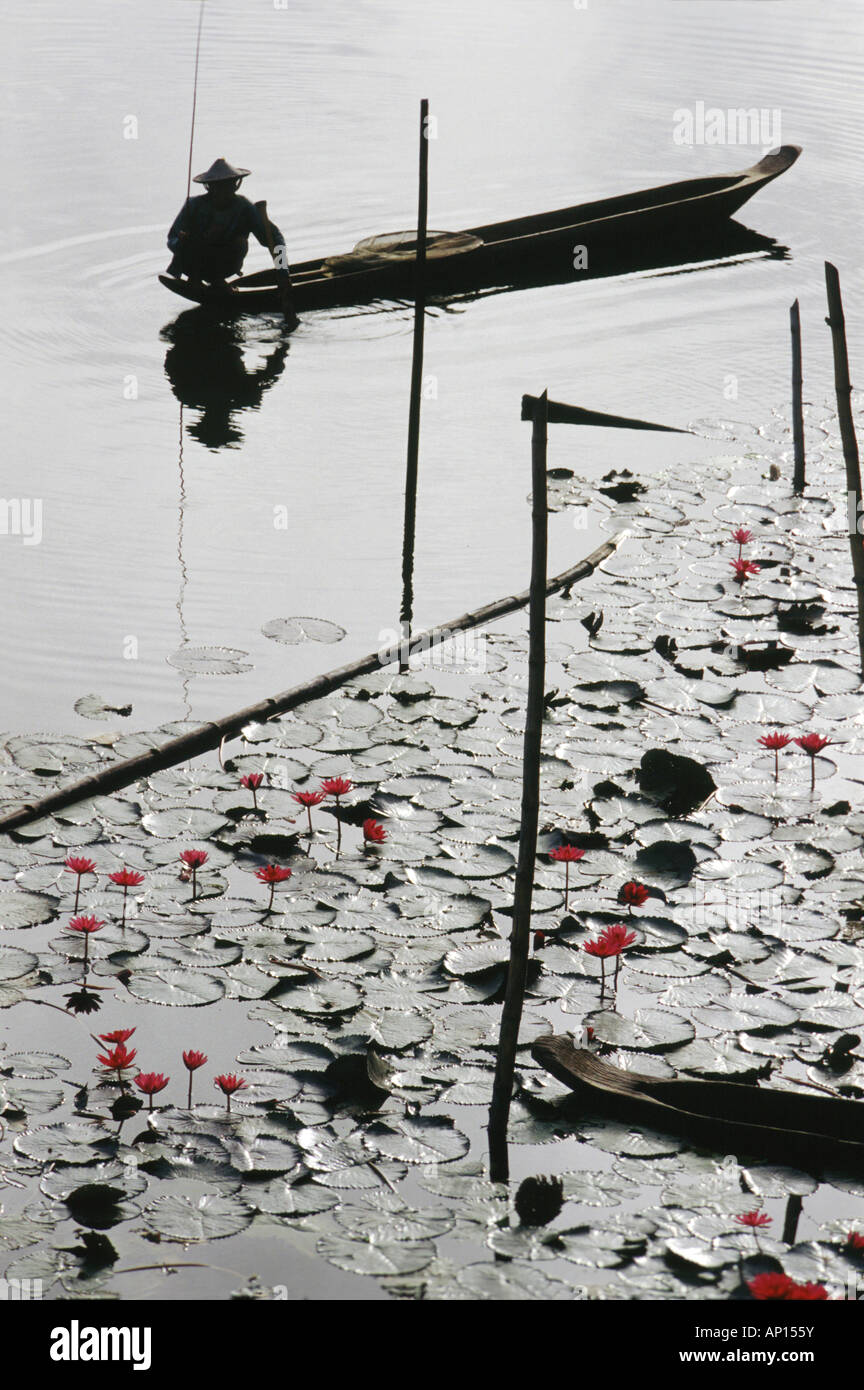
210	235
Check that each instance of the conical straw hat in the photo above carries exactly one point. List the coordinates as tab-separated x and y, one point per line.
221	170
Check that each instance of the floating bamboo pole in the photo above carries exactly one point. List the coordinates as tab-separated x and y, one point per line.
798	477
843	387
511	1015
409	531
209	736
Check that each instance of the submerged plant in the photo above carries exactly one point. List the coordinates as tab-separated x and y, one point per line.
272	874
126	879
76	864
194	859
567	855
774	742
192	1061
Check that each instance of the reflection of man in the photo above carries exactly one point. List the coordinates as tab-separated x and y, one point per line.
204	364
210	235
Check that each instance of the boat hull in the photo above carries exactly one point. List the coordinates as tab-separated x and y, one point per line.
546	248
813	1132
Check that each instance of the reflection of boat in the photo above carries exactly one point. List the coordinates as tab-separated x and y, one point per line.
815	1132
207	370
599	238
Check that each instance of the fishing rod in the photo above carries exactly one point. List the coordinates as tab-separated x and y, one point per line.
194	98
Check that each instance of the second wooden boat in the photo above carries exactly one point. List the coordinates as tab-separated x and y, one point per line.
543	248
807	1131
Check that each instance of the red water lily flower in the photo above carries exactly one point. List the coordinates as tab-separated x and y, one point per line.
309	799
770	1286
126	879
77	864
252	781
192	1061
539	940
603	950
373	832
117	1059
272	874
86	926
855	1241
567	855
618	936
811	744
151	1083
120	1035
811	1292
742	537
194	859
336	787
753	1219
634	895
774	742
228	1084
744	568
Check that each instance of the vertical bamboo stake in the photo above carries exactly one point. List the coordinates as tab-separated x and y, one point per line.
407	613
797	403
511	1015
790	1219
837	323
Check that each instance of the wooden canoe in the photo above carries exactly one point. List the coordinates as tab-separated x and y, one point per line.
806	1131
646	226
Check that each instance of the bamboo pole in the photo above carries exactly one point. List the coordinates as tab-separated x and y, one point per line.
798	477
409	531
209	736
511	1014
843	387
791	1216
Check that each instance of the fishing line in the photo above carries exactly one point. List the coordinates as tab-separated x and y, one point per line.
194	98
184	576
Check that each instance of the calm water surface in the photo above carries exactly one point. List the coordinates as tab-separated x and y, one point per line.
538	106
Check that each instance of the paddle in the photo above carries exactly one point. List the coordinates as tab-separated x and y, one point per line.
291	319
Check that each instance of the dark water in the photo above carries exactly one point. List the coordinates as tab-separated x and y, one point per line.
538	106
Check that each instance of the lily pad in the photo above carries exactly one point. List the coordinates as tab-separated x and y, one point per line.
189	1220
293	631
